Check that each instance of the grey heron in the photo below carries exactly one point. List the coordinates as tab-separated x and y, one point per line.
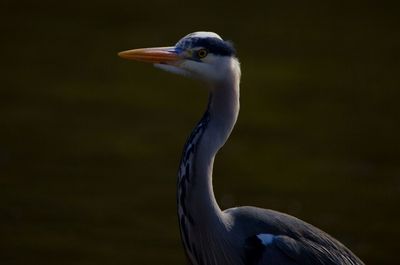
241	235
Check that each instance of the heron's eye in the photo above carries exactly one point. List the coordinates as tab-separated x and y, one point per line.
202	53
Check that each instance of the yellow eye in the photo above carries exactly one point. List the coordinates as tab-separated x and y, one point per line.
202	53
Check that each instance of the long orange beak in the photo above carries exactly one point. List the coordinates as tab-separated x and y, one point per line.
151	55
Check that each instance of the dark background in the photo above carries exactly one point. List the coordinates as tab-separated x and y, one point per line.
90	144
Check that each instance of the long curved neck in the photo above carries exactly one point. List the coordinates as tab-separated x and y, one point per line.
199	213
210	135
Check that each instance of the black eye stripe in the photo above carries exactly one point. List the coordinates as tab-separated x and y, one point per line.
212	45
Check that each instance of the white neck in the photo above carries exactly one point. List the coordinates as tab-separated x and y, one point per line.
197	205
223	112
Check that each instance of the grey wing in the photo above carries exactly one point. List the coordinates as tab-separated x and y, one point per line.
284	250
275	238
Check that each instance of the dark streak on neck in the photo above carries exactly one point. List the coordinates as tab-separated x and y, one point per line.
186	172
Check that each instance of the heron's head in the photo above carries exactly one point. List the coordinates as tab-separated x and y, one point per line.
201	55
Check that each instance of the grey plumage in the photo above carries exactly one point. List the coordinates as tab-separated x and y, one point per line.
237	236
295	241
230	237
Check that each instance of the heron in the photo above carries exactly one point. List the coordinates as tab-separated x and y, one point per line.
241	235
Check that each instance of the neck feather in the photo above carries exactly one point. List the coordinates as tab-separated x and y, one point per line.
199	214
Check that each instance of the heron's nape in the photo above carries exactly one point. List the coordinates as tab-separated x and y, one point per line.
241	235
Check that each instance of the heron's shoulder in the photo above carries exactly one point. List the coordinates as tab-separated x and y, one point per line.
268	220
286	238
254	221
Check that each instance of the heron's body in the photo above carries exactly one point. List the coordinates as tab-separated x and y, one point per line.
236	236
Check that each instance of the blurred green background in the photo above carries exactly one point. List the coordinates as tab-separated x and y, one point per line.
90	144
